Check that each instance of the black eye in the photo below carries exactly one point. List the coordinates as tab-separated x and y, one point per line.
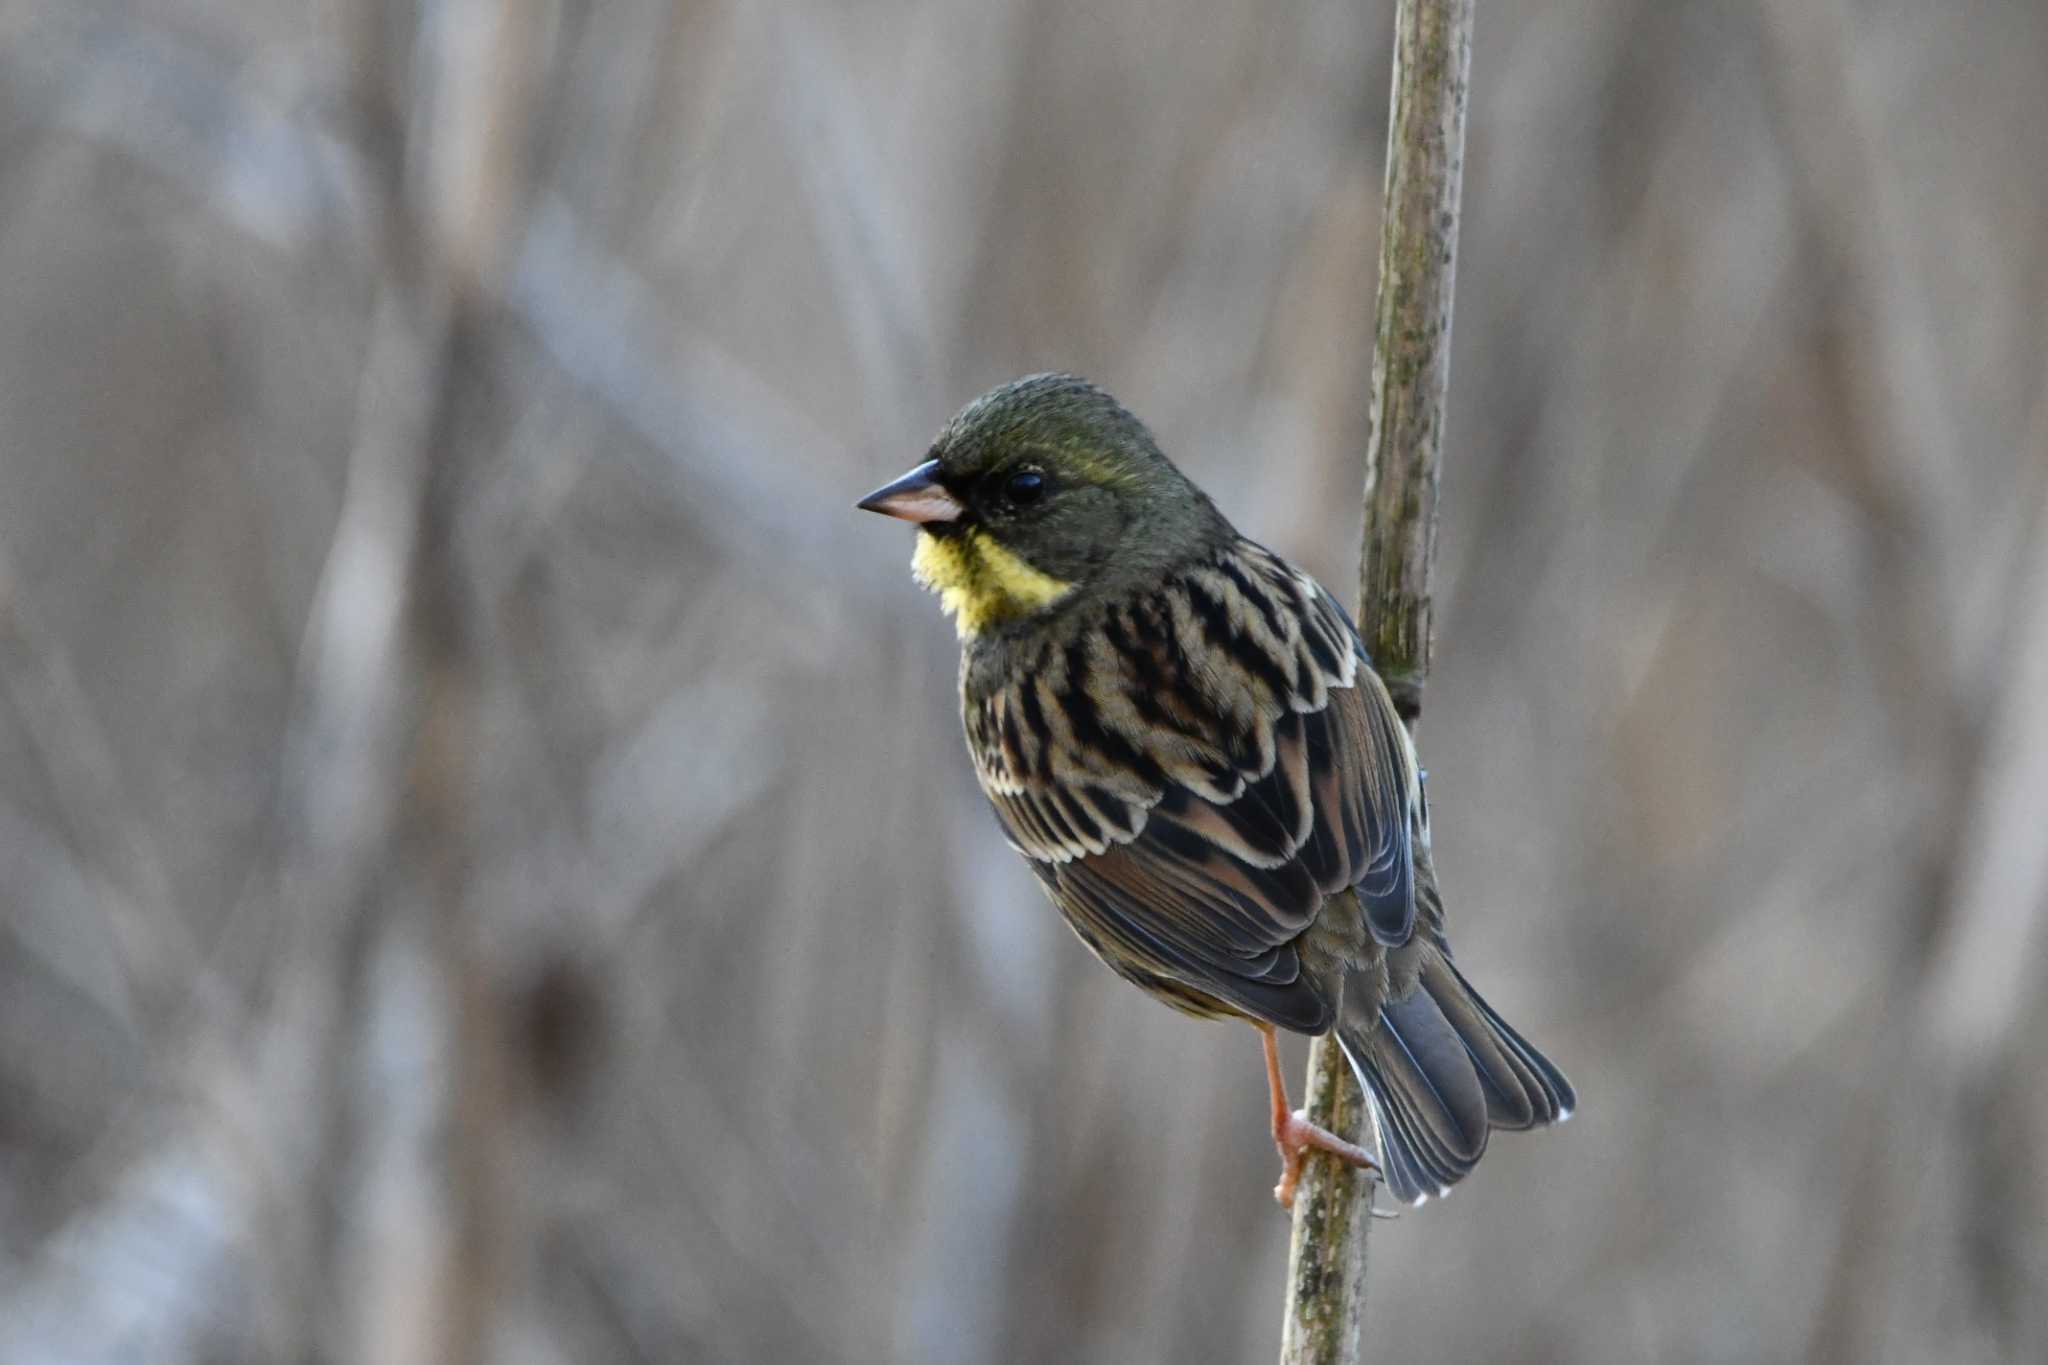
1024	487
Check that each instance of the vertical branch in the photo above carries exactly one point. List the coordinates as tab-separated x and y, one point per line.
1410	379
472	210
1411	363
416	1201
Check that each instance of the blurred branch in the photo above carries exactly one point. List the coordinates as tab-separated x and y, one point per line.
40	684
1980	969
382	754
1962	863
300	175
728	435
875	259
1326	1261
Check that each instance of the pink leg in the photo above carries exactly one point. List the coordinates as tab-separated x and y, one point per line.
1294	1135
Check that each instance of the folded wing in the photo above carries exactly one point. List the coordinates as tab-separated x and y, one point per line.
1193	779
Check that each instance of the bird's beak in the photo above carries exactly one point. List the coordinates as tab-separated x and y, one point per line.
916	497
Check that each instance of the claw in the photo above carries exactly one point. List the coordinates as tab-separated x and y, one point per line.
1296	1137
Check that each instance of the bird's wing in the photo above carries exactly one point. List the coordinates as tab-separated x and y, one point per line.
1194	778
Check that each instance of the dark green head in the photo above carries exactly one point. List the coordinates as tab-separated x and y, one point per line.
1047	490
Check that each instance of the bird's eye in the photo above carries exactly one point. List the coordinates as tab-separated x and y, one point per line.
1024	487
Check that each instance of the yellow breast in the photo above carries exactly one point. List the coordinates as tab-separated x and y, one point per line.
980	583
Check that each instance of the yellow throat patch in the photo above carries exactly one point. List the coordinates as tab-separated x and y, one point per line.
980	583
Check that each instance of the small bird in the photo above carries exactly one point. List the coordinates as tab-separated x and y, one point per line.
1183	736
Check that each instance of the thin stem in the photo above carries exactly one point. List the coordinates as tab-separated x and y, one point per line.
1410	379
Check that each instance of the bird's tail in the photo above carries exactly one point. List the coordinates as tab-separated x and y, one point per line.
1442	1069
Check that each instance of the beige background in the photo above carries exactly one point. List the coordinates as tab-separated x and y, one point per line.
1738	740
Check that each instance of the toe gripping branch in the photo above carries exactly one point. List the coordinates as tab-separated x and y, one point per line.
1295	1136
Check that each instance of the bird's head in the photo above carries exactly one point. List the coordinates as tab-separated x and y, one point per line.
1040	494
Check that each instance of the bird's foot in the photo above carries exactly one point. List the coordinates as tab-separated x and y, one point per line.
1296	1137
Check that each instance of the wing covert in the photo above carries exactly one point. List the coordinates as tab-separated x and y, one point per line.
1194	774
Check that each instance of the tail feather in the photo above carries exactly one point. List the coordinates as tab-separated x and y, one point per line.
1400	1162
1442	1069
1532	1092
1428	1105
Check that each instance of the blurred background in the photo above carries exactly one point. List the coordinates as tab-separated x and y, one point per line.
487	865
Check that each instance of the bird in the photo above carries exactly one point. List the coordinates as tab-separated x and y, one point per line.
1184	737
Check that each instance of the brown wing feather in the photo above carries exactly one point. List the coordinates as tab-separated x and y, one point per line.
1196	774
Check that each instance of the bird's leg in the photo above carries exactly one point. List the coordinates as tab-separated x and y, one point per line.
1294	1135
